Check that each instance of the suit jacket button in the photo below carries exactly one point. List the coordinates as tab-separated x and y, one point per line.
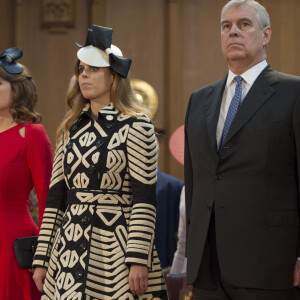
219	177
108	126
92	169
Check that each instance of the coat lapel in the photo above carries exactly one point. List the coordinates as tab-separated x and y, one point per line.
213	105
260	92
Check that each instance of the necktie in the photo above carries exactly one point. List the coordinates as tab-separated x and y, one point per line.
233	108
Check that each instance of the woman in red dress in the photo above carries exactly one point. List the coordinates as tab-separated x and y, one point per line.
25	161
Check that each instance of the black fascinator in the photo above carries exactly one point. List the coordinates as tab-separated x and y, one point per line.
8	58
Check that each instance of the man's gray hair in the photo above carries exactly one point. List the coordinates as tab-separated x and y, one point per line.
261	13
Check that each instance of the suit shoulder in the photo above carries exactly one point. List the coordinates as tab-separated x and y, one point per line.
288	78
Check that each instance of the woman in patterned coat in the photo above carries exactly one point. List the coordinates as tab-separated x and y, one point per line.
96	238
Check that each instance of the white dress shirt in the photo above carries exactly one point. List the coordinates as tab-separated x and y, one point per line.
179	260
248	79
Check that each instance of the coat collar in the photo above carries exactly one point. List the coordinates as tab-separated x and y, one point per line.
213	104
259	93
109	113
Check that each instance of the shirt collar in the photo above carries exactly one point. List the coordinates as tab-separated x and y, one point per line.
250	75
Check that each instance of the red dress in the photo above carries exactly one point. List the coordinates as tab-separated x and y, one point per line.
24	162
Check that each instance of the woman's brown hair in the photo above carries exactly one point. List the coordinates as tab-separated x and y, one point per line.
122	96
24	96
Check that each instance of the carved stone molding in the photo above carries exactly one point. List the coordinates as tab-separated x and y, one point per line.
57	13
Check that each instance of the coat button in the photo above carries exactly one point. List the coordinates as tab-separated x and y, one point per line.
65	220
92	169
74	127
108	126
109	118
68	170
82	247
99	144
78	274
85	220
69	146
219	177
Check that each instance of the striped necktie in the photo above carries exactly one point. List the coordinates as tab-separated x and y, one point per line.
233	108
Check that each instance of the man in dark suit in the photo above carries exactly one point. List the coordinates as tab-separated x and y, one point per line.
242	165
168	189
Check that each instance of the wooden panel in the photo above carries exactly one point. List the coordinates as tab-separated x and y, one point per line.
283	51
7	24
174	44
139	31
50	53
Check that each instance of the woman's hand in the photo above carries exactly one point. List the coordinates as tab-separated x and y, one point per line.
38	277
138	279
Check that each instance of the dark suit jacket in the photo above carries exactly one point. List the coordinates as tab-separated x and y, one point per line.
253	182
168	190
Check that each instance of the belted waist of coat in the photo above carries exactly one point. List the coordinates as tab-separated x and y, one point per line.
94	197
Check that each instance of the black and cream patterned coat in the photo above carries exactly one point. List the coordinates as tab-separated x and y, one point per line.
100	212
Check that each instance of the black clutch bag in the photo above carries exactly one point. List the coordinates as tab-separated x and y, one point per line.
24	250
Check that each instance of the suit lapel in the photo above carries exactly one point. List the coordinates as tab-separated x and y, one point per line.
260	92
213	105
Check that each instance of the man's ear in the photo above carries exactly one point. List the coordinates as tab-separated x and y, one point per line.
267	32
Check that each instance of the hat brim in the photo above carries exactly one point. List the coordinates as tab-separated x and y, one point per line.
96	57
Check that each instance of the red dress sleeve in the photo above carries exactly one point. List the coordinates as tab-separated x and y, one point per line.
39	154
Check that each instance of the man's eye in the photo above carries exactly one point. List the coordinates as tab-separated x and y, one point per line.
226	26
94	69
245	24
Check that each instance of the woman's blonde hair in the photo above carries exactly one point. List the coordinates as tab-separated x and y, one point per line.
122	96
24	96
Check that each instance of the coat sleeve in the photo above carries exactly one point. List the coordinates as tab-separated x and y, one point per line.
39	156
55	207
296	125
142	164
188	173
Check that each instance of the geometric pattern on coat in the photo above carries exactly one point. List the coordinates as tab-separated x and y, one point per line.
100	212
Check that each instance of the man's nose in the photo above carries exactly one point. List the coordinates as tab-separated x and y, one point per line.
234	30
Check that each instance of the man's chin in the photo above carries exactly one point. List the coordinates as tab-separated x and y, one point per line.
236	56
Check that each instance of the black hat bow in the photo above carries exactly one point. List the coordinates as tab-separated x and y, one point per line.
101	37
8	58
